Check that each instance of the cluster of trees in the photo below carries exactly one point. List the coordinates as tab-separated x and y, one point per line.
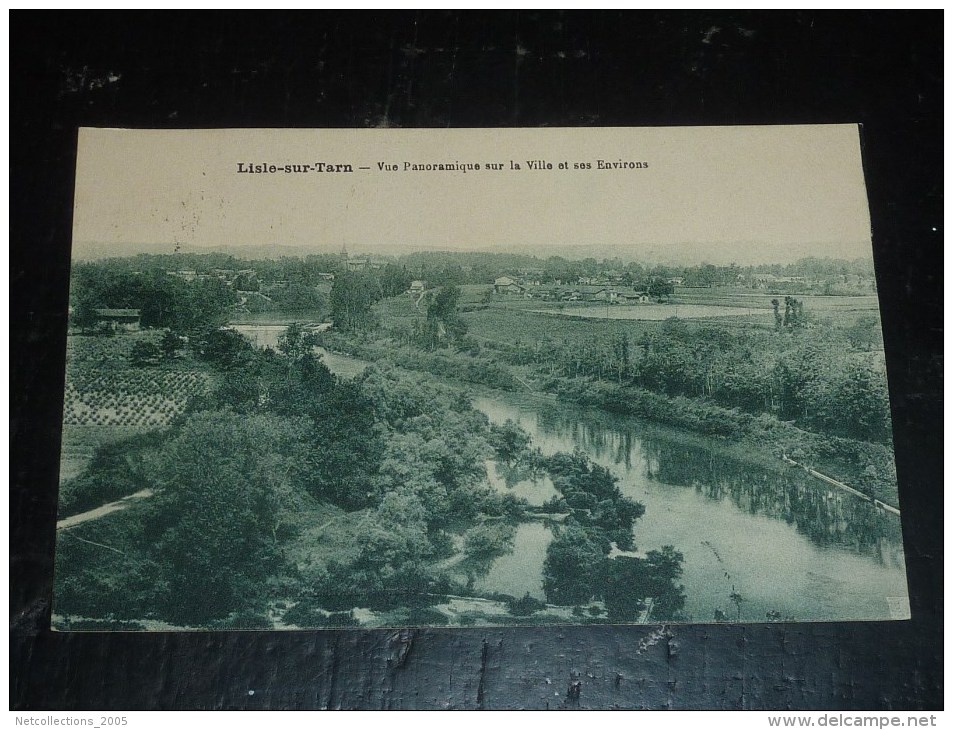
146	352
162	300
443	324
578	568
184	306
296	296
811	376
455	268
353	295
234	476
304	269
793	316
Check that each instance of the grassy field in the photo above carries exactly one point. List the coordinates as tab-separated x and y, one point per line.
660	312
81	442
839	310
512	326
512	319
734	297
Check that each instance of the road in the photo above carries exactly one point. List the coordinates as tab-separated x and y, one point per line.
95	514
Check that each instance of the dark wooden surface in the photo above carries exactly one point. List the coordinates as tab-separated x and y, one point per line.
469	70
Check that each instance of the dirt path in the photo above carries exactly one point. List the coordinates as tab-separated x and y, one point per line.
95	514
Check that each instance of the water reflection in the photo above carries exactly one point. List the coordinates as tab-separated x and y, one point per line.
521	481
760	539
829	517
521	571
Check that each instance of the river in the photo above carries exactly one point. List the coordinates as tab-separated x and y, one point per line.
776	538
772	535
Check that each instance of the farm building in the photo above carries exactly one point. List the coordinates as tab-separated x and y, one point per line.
417	287
603	295
118	319
507	285
636	297
597	294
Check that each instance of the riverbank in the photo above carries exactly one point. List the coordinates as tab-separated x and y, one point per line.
865	466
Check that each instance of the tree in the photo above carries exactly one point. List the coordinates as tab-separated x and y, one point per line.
296	342
799	376
664	569
509	440
297	297
489	540
393	564
865	334
483	544
443	321
660	288
84	313
225	348
620	352
629	581
352	296
858	405
145	353
170	344
201	304
573	567
344	430
226	488
793	313
395	280
625	581
246	281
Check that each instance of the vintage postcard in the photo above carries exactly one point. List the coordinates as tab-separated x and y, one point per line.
484	377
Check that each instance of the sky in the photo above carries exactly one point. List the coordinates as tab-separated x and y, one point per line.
747	195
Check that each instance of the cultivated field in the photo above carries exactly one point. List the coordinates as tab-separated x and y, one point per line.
133	397
108	399
513	326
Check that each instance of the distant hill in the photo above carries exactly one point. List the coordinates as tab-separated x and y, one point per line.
86	251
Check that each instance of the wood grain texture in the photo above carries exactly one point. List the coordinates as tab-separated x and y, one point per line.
473	69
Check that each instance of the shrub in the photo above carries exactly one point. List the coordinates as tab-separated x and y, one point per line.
245	619
525	606
427	616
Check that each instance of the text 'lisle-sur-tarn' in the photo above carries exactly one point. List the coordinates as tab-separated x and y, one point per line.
446	166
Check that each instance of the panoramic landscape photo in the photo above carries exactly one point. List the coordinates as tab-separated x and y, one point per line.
474	377
473	438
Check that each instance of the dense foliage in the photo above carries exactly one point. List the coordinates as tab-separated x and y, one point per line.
809	376
578	568
352	296
456	268
163	300
286	491
237	476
